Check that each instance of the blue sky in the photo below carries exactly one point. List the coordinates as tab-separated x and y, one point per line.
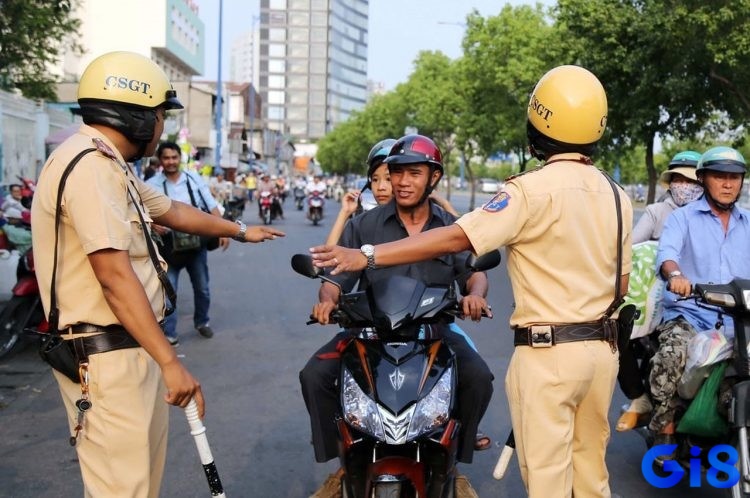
399	30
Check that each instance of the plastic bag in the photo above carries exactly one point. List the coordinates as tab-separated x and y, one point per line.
645	289
702	416
704	349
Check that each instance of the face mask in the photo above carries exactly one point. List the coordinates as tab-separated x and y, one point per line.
682	193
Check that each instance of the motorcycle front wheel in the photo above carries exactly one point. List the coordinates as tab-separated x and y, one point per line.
12	322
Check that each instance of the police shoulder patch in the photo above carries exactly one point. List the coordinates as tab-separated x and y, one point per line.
105	149
497	203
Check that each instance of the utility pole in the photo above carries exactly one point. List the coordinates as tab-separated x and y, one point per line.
217	159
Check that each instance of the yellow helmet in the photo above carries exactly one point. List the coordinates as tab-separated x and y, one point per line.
127	78
569	106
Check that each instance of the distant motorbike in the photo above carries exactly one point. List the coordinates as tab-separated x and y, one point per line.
397	425
266	207
315	204
299	198
234	208
24	310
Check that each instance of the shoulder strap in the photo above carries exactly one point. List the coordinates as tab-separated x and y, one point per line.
54	312
190	191
160	273
618	278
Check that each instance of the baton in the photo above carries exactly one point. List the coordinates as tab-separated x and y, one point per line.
198	430
502	462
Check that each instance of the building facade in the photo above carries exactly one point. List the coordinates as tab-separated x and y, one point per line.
313	64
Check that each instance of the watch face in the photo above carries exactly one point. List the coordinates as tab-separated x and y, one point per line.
368	249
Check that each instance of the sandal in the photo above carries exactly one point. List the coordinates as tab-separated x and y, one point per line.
482	441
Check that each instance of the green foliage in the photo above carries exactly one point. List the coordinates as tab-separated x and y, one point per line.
33	34
673	70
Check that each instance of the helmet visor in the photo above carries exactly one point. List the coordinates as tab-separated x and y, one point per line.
171	102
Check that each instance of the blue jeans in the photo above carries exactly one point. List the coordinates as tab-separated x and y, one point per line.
197	268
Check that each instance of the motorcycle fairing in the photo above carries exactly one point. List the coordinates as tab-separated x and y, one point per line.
400	299
397	381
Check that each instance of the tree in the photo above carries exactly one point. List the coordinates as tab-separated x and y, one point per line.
33	34
504	56
666	65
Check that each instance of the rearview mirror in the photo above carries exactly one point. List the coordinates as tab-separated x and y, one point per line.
484	262
303	264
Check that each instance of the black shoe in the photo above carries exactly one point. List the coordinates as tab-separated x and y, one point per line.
205	331
173	340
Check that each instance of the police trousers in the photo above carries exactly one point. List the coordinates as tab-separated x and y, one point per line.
559	398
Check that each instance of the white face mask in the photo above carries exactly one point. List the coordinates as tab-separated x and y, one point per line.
683	192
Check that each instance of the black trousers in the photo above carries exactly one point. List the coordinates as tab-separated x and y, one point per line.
318	380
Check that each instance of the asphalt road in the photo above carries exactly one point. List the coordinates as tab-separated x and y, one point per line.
256	420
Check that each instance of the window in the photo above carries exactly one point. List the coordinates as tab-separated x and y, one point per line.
277	35
299	50
277	4
276	97
276	66
277	50
276	81
275	113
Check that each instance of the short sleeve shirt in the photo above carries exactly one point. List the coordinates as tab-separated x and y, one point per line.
178	190
381	225
97	213
559	226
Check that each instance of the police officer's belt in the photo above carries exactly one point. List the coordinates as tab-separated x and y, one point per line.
112	338
544	336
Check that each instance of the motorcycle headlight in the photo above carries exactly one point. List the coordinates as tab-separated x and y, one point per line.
433	410
360	411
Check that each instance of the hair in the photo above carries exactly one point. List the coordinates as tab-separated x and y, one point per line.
543	146
167	145
14	185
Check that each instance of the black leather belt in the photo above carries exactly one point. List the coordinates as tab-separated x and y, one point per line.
112	338
545	336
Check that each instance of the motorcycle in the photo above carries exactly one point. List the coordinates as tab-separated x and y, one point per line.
299	197
266	207
234	208
732	299
398	434
315	207
24	309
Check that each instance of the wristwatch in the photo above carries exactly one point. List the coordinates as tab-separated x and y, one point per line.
673	274
369	251
240	236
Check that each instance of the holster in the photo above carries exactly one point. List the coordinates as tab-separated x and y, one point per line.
55	352
625	321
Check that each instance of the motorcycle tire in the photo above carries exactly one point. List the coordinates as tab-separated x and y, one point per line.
12	322
267	217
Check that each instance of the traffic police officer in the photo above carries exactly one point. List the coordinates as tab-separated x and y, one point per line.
559	224
109	299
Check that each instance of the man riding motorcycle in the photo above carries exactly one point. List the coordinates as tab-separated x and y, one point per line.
415	165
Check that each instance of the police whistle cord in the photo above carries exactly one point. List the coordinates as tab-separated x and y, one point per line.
198	430
505	455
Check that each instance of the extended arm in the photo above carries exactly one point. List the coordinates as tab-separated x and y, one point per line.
186	218
420	247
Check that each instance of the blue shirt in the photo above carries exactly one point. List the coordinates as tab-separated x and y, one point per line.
179	189
694	238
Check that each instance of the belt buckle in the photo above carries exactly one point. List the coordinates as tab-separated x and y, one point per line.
540	336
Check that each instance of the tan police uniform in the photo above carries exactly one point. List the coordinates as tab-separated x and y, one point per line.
122	446
559	225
